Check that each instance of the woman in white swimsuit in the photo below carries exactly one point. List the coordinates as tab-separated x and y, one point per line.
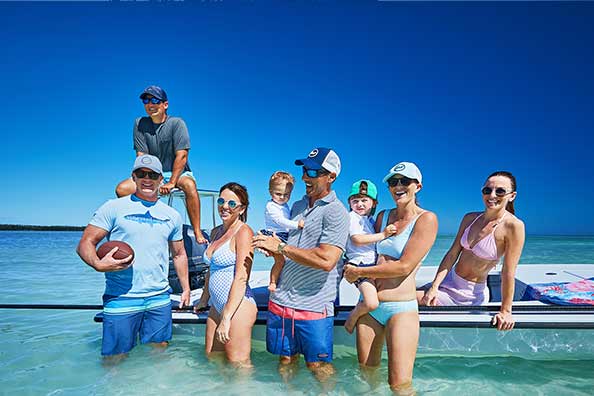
232	306
482	239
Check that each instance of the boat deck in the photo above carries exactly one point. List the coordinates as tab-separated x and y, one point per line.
529	314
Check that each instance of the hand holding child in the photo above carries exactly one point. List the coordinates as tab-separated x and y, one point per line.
389	230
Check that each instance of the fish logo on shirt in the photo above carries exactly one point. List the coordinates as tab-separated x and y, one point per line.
146	218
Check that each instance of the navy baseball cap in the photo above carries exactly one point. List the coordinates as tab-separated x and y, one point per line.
155	91
319	158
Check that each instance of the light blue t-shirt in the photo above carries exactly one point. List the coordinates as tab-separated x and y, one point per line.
147	227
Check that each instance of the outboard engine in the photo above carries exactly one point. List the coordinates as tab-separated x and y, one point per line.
197	269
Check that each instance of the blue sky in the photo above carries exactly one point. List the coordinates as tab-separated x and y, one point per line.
462	89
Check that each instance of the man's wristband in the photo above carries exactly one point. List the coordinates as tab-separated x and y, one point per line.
280	248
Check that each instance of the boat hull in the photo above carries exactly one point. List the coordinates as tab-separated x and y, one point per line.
541	331
535	344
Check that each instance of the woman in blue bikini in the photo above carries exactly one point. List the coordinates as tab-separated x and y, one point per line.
232	306
399	257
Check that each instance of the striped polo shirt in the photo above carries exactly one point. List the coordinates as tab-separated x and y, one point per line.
306	288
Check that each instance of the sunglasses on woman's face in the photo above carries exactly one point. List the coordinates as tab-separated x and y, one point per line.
231	203
314	173
404	181
151	100
141	174
499	191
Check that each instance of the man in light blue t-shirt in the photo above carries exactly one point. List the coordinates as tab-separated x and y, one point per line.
301	310
136	299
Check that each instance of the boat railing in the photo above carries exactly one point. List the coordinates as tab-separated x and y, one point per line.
211	195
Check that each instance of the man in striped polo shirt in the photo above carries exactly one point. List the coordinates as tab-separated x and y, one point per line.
301	310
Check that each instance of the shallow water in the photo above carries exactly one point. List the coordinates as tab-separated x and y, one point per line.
58	352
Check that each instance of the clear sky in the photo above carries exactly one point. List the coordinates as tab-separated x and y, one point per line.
462	89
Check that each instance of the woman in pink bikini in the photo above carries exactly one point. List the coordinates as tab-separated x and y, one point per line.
483	238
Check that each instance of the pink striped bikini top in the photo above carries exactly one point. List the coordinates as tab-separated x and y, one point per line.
486	248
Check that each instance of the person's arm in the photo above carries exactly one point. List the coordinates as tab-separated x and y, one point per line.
275	271
448	261
366	239
205	296
357	231
275	214
180	262
87	250
179	163
421	240
514	243
140	145
335	226
323	256
244	258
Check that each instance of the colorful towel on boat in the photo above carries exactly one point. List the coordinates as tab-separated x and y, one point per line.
574	293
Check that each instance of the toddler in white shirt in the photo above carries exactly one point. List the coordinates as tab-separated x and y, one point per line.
360	248
277	216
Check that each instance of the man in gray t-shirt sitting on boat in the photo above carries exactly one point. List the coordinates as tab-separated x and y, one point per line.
301	310
166	138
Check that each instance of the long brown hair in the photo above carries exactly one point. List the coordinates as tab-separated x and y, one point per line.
512	179
242	193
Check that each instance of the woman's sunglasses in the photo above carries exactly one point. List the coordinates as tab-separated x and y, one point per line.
151	100
141	174
404	181
314	173
231	203
499	191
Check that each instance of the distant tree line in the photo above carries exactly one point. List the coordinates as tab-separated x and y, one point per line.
24	227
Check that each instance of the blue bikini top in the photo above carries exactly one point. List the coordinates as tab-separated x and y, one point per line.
394	246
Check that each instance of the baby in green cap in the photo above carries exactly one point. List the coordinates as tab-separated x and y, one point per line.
360	248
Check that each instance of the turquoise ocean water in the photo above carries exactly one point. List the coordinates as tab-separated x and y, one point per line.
58	352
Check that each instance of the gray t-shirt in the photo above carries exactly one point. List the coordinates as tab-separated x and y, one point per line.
162	140
307	288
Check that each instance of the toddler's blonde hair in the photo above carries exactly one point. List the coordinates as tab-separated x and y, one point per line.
280	176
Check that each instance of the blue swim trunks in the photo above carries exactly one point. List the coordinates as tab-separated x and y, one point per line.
292	331
127	318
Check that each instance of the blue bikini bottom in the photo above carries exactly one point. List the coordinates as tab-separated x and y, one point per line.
387	309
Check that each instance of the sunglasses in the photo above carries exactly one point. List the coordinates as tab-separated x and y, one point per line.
404	181
314	173
231	203
141	174
152	100
499	191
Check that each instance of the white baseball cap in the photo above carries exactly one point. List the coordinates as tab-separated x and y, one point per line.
406	169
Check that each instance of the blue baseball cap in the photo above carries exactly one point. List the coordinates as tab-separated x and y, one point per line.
319	158
155	91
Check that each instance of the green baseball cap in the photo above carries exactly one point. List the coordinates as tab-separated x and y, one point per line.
365	187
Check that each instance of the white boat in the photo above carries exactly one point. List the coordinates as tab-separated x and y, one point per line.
542	331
